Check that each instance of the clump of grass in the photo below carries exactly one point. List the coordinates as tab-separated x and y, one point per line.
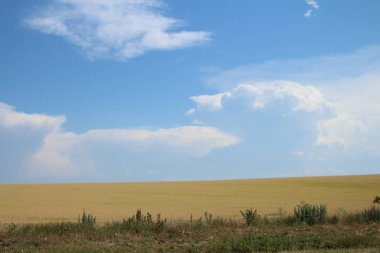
310	214
371	214
249	243
143	223
208	218
210	221
87	219
250	216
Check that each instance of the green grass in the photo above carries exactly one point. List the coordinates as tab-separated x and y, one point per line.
373	250
142	233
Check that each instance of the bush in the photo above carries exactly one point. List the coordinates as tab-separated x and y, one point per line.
250	216
310	214
371	214
376	200
87	219
143	223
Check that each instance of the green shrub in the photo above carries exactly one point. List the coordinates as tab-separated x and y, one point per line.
310	214
251	217
371	214
87	219
143	223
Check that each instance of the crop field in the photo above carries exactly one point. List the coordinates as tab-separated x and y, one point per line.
179	200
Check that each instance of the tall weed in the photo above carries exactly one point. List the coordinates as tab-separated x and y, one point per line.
310	214
87	219
250	216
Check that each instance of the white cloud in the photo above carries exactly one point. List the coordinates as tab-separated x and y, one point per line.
347	121
313	3
119	29
305	98
58	154
190	112
343	88
308	13
202	139
210	102
54	158
9	118
344	130
314	6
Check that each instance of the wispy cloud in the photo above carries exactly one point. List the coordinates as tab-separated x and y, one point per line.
118	29
308	13
46	150
314	5
320	69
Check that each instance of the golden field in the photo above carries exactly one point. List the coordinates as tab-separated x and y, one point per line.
177	200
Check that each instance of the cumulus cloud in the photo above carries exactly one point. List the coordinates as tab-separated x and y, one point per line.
209	102
314	6
10	118
21	134
47	151
344	130
119	29
305	98
337	124
342	89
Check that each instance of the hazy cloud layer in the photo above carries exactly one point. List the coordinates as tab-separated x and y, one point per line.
39	147
312	70
119	29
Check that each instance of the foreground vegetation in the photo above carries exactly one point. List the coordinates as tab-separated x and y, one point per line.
309	227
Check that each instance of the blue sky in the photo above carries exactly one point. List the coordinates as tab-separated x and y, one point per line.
151	90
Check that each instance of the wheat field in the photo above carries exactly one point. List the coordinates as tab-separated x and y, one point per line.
179	200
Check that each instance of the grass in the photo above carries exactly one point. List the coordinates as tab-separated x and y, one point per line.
139	233
373	250
142	233
180	200
310	214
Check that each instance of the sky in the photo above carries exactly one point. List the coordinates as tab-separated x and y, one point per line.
163	90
